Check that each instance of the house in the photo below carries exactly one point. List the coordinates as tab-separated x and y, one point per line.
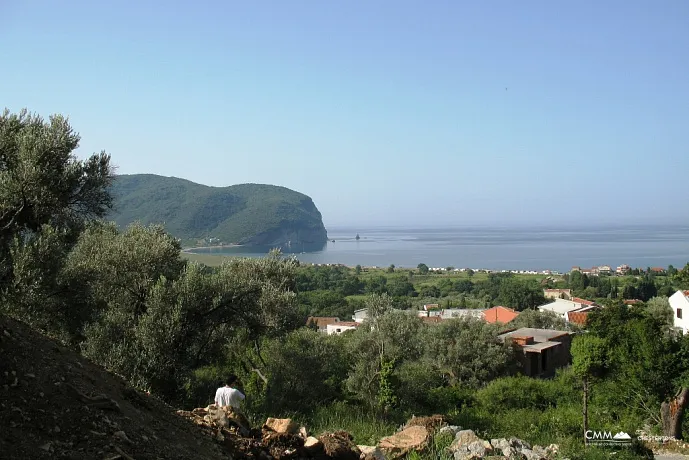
341	326
623	269
580	317
461	313
557	293
605	270
561	307
429	313
564	308
321	322
631	302
360	315
658	270
540	351
431	306
499	314
575	269
679	302
584	302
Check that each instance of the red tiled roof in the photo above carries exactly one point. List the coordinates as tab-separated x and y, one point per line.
499	314
346	323
321	321
657	269
632	301
583	301
578	317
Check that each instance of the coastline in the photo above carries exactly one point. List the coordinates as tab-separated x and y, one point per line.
222	246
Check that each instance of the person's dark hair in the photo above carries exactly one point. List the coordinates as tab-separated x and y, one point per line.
230	379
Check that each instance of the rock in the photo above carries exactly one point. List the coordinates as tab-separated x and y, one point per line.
413	438
46	447
313	446
123	436
303	433
56	429
462	438
281	425
452	429
371	453
339	445
519	444
218	417
553	449
532	455
473	450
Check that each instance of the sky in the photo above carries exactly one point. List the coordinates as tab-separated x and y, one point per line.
384	112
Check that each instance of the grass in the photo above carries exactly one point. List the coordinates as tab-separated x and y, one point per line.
366	428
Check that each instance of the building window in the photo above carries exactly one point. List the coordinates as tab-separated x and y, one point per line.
679	313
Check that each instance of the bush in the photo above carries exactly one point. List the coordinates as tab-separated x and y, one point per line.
518	392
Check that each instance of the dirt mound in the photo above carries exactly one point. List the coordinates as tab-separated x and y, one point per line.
56	404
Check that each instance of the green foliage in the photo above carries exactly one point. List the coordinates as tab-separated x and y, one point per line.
659	310
540	320
387	398
589	356
246	214
47	196
466	351
517	392
423	268
305	369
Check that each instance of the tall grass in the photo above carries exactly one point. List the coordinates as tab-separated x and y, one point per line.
365	427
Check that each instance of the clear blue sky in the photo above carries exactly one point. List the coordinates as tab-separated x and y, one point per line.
384	112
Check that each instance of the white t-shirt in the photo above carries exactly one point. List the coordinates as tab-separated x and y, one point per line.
226	396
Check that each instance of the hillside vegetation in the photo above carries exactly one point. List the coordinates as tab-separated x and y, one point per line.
252	214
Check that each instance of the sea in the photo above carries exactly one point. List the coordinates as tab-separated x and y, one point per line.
523	248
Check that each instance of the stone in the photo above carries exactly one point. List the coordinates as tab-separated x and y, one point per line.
519	444
371	453
500	443
303	433
452	429
123	436
531	454
46	447
413	438
462	438
313	446
281	425
218	417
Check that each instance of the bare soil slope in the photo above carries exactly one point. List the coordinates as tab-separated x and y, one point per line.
56	404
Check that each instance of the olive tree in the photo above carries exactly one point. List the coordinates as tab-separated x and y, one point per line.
47	197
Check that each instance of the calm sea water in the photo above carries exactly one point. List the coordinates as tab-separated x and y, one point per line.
495	248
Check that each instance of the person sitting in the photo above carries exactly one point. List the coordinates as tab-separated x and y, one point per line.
229	399
228	395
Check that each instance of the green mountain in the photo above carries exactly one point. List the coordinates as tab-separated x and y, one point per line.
252	214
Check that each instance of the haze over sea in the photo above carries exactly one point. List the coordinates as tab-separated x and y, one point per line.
519	248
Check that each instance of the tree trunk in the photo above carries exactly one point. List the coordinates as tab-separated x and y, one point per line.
585	410
672	412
